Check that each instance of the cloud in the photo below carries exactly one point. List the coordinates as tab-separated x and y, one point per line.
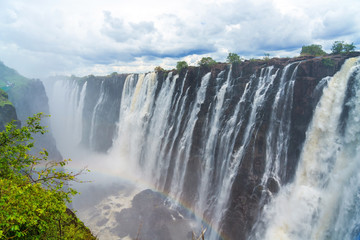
333	25
120	31
75	37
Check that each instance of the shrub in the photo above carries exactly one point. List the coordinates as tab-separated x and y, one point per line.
33	191
341	47
266	57
159	69
207	61
233	58
313	50
349	47
181	65
328	62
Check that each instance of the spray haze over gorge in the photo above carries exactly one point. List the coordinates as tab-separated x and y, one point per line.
231	119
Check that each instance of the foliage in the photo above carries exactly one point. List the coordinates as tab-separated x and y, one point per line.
8	75
181	65
233	58
328	62
313	50
207	62
33	191
159	69
341	47
4	98
266	57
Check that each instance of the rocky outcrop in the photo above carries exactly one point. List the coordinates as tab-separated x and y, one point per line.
149	219
238	129
7	111
28	97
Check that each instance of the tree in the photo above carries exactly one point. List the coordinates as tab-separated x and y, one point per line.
337	47
207	61
159	69
181	65
341	47
349	47
33	190
233	58
313	50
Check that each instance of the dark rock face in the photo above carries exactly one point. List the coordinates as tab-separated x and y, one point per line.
102	114
7	111
247	195
149	219
28	99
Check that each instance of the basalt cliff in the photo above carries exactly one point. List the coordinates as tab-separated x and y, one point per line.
224	140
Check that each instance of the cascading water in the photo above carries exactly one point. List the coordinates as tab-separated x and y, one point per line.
195	136
67	103
95	115
322	202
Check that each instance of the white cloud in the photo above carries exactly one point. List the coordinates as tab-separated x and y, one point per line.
97	37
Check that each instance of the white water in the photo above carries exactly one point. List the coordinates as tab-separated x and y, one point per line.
67	103
278	135
155	138
94	115
322	202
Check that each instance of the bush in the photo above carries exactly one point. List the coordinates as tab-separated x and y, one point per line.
341	47
313	50
33	191
233	58
181	65
207	62
159	69
328	62
266	57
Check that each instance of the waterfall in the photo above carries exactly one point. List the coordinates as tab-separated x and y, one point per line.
221	142
322	202
95	115
67	103
158	132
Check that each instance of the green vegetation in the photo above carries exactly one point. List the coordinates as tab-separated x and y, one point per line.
33	190
207	62
341	47
181	65
4	98
312	50
328	62
266	57
159	69
233	58
10	76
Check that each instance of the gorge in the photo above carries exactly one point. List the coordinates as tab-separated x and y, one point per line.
265	149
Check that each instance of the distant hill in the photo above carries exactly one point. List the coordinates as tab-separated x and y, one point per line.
28	97
10	78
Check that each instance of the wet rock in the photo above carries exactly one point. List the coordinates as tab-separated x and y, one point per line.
149	219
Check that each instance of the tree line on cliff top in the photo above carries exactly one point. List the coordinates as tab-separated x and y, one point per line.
338	47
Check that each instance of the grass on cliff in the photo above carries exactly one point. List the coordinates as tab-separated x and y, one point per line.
8	75
34	191
4	99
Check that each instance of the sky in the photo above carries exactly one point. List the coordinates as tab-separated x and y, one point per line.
42	38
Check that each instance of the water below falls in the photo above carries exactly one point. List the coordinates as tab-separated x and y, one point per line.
227	145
